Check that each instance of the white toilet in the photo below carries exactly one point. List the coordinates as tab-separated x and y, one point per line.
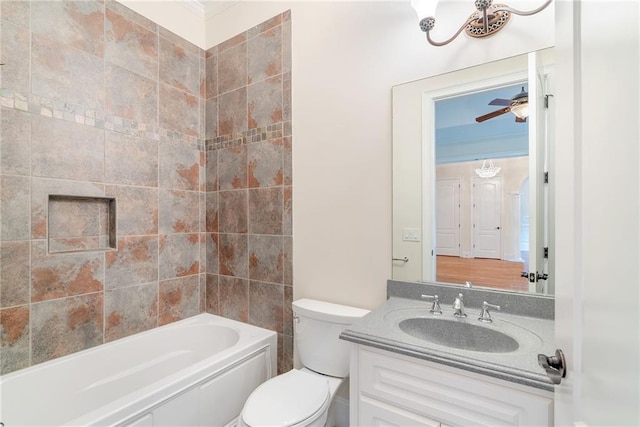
304	397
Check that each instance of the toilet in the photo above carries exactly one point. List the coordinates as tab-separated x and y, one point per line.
304	397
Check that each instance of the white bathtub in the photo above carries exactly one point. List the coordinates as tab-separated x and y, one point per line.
195	372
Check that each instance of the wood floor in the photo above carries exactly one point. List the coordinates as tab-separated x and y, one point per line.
492	273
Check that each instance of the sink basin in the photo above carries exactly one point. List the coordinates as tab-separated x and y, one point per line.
459	334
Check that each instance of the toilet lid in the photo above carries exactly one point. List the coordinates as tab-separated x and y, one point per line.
286	400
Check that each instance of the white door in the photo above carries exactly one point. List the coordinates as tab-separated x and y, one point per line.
597	214
448	216
487	209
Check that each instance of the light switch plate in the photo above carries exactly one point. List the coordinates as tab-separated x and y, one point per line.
411	234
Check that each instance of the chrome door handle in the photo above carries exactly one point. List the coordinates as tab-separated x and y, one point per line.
554	366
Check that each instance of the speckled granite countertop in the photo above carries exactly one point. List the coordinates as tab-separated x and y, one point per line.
535	335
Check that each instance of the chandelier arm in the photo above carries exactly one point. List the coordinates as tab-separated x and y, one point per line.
435	43
506	8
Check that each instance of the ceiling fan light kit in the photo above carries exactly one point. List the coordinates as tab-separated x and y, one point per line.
487	20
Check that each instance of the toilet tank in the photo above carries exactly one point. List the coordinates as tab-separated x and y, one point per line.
317	327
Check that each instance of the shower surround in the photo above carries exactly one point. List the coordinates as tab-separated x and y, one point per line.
194	145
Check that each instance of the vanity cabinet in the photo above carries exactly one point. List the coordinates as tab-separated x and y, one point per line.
390	389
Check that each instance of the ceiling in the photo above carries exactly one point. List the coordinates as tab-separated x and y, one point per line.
207	8
459	138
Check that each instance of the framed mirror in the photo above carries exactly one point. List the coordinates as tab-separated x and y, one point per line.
470	176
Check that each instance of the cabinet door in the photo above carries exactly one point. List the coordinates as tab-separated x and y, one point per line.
375	413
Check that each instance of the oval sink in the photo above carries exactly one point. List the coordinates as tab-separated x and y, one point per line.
460	335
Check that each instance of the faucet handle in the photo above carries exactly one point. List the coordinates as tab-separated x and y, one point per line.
485	316
435	308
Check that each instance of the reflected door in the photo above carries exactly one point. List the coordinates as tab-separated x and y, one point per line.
448	216
487	208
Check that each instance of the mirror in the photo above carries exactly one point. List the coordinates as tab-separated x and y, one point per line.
454	219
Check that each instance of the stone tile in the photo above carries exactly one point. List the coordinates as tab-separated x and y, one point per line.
14	50
65	326
264	101
130	310
130	160
287	318
213	305
232	112
63	275
130	45
232	168
285	353
265	26
179	299
131	96
287	161
63	73
15	200
264	165
211	118
266	210
265	55
79	24
286	46
202	224
179	256
232	211
212	212
212	257
130	15
265	258
179	166
212	171
74	152
232	68
15	142
212	77
14	338
288	260
232	42
40	190
266	305
287	214
286	96
137	209
14	274
202	280
16	12
234	298
179	67
78	224
179	111
184	44
135	262
233	255
179	211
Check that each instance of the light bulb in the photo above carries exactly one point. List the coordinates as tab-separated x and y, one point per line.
424	8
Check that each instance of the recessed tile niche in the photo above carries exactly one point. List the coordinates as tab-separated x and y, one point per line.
80	224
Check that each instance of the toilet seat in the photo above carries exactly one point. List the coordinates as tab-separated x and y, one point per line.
296	398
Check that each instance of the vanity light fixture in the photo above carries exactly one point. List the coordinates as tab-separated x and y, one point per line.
488	170
488	19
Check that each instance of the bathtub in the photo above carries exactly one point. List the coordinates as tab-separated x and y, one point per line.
194	372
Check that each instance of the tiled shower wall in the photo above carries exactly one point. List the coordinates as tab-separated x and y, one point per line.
249	180
99	101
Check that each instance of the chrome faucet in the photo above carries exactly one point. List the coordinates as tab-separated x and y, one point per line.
435	308
458	307
485	316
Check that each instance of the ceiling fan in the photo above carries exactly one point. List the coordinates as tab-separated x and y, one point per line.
518	105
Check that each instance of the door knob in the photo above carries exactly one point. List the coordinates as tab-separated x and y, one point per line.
554	366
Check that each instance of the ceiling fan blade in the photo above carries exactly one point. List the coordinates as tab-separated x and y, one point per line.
493	114
500	101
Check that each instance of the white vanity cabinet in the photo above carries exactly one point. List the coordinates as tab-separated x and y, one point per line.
389	389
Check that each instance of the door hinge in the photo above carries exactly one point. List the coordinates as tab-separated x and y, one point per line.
545	252
546	100
546	177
